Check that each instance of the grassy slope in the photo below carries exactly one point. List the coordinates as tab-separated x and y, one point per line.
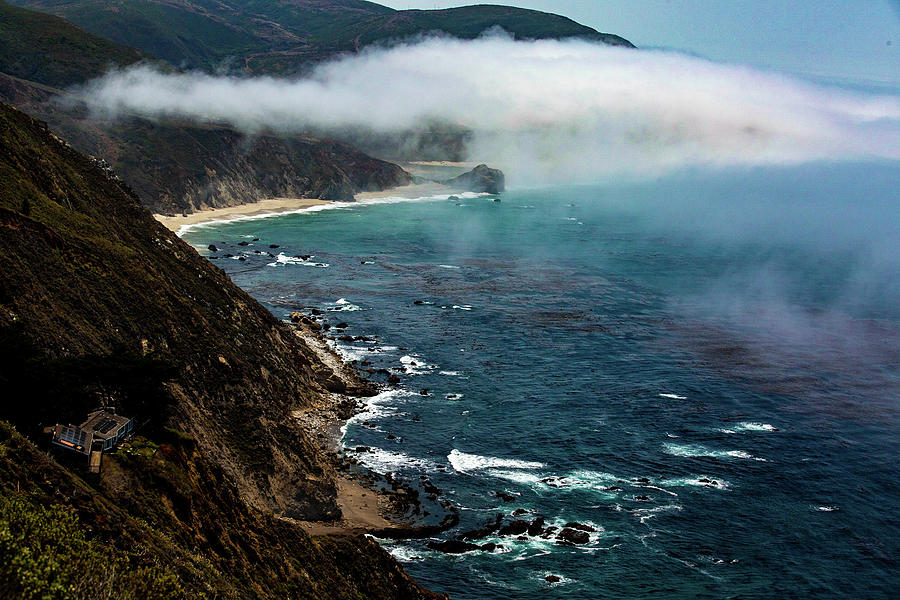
181	37
270	36
99	301
468	22
49	50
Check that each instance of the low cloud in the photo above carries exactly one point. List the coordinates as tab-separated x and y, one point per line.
544	111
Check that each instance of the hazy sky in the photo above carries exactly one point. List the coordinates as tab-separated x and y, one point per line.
843	39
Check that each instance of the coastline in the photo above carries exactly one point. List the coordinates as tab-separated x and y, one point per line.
268	207
365	507
261	207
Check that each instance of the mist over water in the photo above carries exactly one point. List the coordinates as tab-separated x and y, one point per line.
544	111
703	367
697	354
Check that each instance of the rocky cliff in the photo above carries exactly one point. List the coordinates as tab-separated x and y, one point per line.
98	303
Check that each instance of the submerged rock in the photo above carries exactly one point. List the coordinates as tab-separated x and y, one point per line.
573	536
514	528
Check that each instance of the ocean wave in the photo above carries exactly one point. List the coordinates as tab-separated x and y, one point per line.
343	305
415	365
350	353
754	427
645	514
383	461
324	207
697	481
380	406
673	396
283	259
696	450
463	462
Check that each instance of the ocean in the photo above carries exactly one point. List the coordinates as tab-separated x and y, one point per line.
699	369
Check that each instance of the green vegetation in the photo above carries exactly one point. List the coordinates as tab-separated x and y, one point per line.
270	36
49	50
45	554
468	22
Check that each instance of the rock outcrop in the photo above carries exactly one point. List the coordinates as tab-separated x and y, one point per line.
481	179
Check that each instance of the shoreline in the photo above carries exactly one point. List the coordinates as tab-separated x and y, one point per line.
270	207
364	507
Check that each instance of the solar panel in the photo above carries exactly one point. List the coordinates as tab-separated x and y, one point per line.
105	426
74	435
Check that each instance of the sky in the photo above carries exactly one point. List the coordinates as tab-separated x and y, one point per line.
842	40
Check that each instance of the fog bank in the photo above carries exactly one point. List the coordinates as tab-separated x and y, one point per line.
545	111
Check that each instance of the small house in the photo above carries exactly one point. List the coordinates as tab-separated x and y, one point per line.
102	431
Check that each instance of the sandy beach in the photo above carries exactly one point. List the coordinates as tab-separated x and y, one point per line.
272	206
265	206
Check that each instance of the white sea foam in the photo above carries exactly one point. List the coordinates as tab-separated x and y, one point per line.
673	396
463	462
753	426
343	305
698	481
448	373
448	266
645	514
351	353
696	450
283	259
404	553
381	405
521	477
321	208
826	508
461	307
416	365
383	461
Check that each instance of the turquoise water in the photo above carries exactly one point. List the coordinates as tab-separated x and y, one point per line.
702	368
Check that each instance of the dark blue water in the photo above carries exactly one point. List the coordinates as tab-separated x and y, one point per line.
702	368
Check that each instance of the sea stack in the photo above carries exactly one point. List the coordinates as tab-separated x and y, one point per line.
481	179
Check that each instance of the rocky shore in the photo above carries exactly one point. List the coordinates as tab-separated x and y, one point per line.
373	503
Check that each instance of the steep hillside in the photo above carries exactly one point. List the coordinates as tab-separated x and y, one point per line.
468	22
276	37
98	303
52	51
180	167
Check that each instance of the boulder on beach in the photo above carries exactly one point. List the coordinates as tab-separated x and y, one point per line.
481	179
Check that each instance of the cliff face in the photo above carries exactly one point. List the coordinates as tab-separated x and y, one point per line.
176	167
179	167
100	303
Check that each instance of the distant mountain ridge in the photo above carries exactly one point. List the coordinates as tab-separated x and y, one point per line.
50	50
181	167
278	37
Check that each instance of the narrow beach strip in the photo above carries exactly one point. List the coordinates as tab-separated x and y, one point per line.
276	206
